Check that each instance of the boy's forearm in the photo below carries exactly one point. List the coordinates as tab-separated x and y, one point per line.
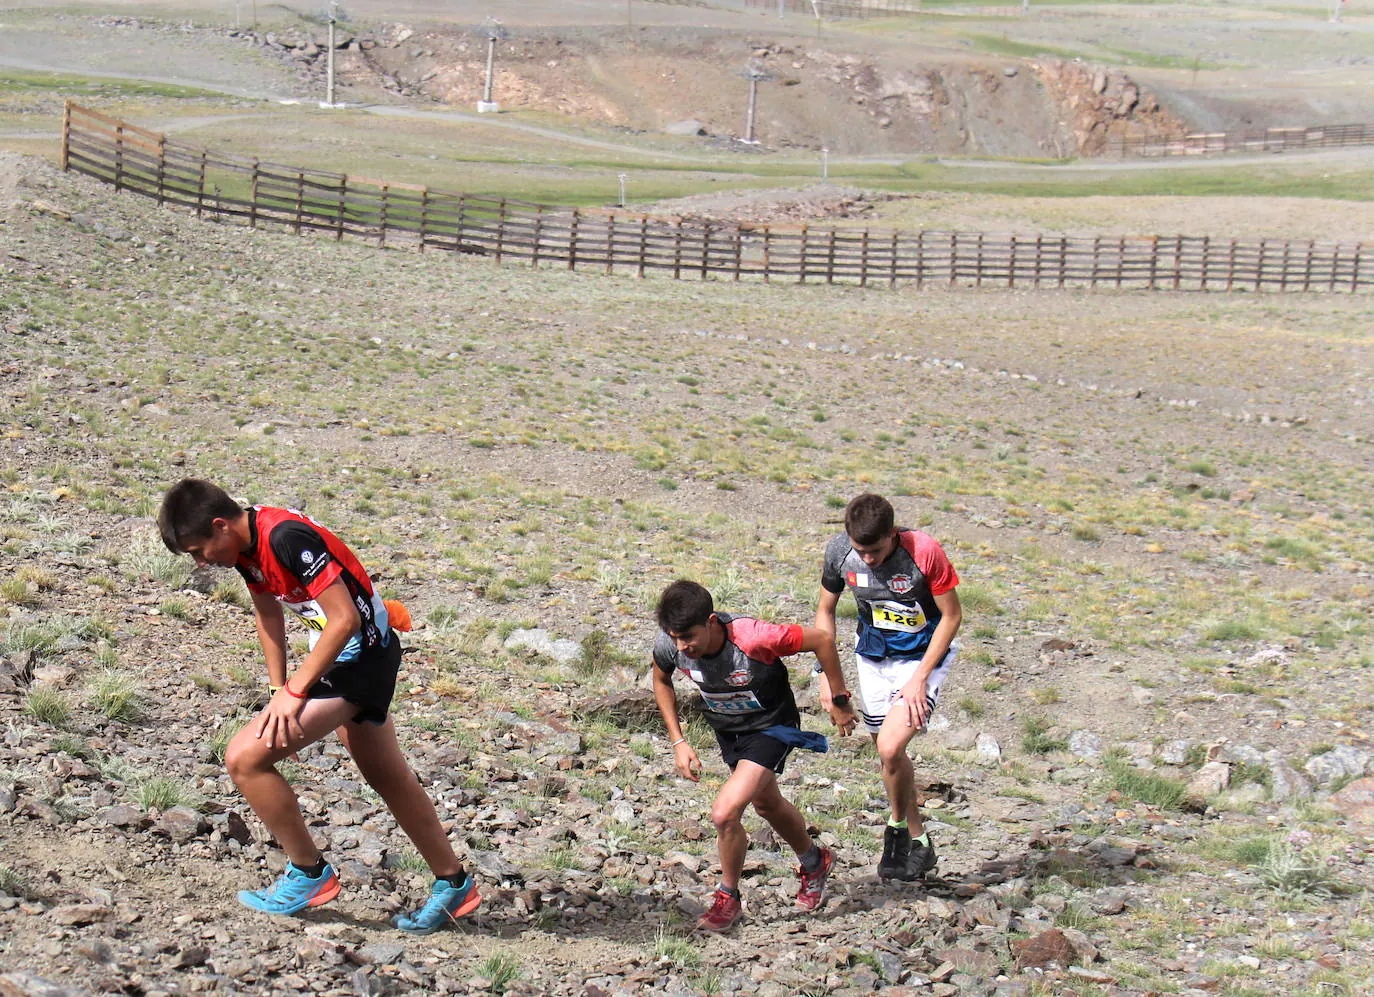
666	699
322	656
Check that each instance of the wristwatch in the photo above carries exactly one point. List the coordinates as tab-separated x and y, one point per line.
840	699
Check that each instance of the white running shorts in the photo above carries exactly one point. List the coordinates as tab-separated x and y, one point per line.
881	681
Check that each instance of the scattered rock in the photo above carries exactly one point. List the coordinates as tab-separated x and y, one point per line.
1086	744
1209	780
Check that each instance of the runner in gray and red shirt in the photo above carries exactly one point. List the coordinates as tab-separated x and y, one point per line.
736	662
908	615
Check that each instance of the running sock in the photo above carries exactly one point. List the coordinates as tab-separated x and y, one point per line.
896	823
313	871
725	889
454	881
923	840
811	861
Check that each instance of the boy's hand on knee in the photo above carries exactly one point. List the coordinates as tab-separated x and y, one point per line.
913	697
279	721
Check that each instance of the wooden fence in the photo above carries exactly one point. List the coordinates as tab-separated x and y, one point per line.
258	193
1264	140
842	9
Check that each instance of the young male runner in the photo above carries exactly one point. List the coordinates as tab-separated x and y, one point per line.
908	615
736	662
344	684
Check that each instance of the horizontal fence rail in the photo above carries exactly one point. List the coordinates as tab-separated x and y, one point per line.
841	9
1263	140
259	193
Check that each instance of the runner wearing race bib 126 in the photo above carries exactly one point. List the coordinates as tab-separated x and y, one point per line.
736	663
908	615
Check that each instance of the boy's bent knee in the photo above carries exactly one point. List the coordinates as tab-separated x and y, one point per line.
241	759
723	815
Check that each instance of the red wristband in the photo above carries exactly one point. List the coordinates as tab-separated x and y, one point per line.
292	692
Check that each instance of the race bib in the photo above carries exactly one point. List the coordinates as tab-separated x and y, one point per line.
310	613
895	616
732	702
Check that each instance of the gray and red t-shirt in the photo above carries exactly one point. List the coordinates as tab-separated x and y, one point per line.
897	611
744	685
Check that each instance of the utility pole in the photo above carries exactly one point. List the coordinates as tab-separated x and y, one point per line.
494	31
825	164
755	74
333	14
623	177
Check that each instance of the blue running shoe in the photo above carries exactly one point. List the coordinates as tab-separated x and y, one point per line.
446	903
293	892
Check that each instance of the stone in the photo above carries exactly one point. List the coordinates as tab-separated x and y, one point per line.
493	868
624	813
1091	975
1085	744
1356	801
1286	784
961	738
989	752
7	798
1175	752
78	914
379	953
1209	780
689	126
1084	950
1340	762
1108	902
181	824
971	961
29	985
1236	754
1044	949
563	651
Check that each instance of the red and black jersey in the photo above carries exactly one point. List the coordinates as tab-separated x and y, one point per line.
293	558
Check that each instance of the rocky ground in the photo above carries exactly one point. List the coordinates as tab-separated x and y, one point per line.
1151	774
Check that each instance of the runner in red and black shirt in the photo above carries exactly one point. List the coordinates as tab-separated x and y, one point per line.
909	613
736	662
344	684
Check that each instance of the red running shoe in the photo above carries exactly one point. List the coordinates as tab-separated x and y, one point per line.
812	889
725	911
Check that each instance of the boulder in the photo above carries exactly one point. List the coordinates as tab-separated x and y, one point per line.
1340	762
1209	780
690	126
1042	950
1356	801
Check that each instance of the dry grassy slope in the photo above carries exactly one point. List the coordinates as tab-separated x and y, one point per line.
823	93
499	452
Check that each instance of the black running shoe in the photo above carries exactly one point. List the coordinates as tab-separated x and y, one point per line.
895	863
921	859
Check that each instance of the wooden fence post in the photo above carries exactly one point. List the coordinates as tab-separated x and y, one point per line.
1259	265
643	242
462	220
343	207
1120	261
382	220
830	258
161	169
739	250
1154	260
610	241
200	186
1011	262
1231	266
767	256
1355	268
1063	259
119	157
1283	274
501	231
538	234
677	251
424	217
920	260
66	133
705	248
572	240
1307	269
300	201
801	261
253	198
863	260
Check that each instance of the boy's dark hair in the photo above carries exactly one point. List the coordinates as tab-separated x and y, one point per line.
868	519
684	605
189	509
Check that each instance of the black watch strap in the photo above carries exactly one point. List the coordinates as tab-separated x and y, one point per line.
840	699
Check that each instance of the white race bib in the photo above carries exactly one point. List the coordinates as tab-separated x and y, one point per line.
732	702
895	616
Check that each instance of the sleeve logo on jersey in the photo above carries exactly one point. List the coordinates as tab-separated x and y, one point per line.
900	584
740	676
307	557
858	579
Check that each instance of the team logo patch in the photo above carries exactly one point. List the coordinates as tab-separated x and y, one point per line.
740	676
859	579
900	584
307	557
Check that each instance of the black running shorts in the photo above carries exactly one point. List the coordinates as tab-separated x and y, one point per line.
368	681
753	746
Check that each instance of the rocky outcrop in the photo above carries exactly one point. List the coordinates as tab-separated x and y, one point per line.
1100	104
